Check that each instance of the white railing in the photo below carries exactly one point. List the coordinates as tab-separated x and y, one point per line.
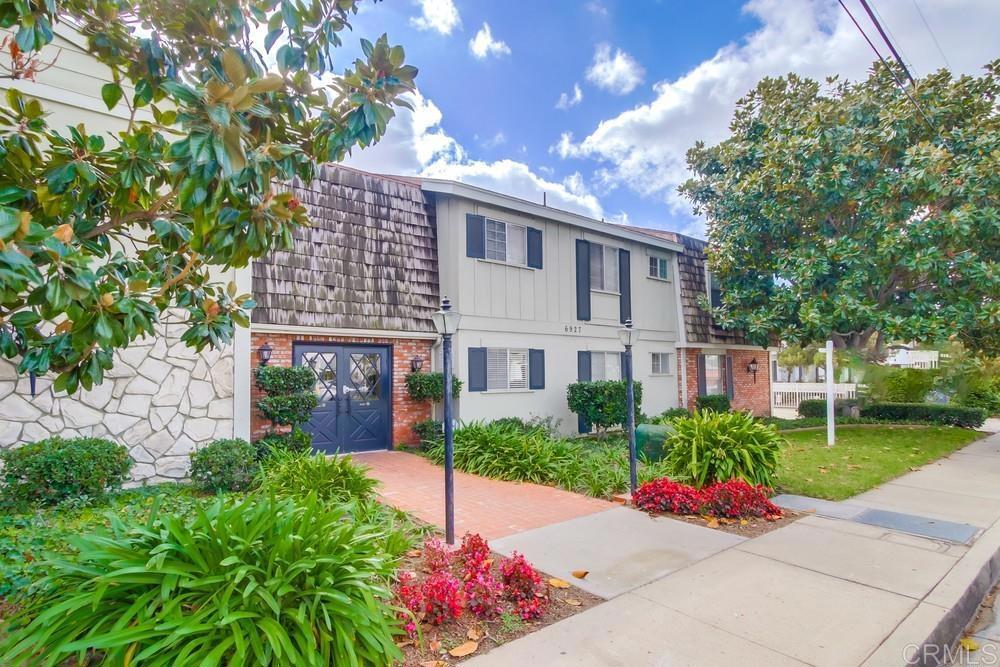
790	394
913	358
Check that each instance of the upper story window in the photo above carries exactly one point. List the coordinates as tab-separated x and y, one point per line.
604	268
661	363
507	242
714	292
658	268
506	368
605	366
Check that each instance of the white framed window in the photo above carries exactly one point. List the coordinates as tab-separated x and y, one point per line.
661	363
715	374
659	268
506	368
605	366
506	242
603	268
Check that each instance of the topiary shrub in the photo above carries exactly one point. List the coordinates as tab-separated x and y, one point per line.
290	410
602	403
926	413
279	380
331	478
290	399
714	402
295	440
710	447
56	469
908	385
224	465
266	581
430	386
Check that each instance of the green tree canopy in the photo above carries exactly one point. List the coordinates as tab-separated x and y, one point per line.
99	236
840	211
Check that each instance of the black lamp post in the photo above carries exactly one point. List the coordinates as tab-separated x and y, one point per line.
446	322
630	337
264	353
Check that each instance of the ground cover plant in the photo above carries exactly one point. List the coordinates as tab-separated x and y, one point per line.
331	478
862	458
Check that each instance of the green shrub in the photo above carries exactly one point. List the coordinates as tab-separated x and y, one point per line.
295	440
290	410
710	447
985	396
265	581
714	402
56	469
669	415
430	386
428	431
282	380
926	413
816	407
224	465
602	404
908	385
331	478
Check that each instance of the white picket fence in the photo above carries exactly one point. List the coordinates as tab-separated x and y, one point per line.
790	394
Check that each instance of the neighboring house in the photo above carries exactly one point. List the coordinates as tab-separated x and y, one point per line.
352	299
714	360
908	356
162	399
542	294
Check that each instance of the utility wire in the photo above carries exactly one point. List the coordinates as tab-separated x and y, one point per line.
892	72
895	40
933	36
885	38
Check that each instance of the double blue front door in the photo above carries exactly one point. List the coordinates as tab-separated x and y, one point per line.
353	385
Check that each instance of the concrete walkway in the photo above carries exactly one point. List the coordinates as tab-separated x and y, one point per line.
820	591
490	507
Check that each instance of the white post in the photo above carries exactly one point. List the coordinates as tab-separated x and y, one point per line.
830	396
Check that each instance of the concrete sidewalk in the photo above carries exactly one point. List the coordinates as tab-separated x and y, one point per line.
820	591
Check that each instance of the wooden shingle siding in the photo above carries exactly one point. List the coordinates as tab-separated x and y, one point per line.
368	262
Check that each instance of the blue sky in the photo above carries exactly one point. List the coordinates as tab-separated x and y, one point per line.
642	80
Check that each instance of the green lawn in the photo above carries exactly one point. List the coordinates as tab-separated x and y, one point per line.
864	457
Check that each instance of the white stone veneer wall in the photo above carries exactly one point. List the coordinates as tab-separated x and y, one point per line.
162	400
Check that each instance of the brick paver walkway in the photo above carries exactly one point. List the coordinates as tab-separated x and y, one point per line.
489	507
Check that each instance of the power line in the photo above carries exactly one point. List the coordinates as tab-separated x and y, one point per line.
933	36
885	38
895	40
893	73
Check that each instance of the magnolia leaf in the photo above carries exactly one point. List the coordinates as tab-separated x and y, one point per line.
558	583
112	94
462	650
969	644
474	634
712	523
433	663
580	574
572	602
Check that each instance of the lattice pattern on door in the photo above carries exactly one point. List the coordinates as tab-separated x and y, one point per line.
324	367
366	376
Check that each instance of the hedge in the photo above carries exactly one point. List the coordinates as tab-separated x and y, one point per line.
430	386
602	403
714	402
929	413
816	407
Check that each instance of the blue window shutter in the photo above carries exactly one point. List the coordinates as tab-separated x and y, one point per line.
702	390
535	248
477	369
625	285
475	236
583	375
536	369
730	389
582	280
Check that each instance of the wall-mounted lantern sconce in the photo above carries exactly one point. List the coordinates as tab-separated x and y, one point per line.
416	363
264	353
752	369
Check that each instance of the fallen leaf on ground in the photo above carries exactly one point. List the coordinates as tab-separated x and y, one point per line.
433	663
969	644
474	634
853	466
462	650
823	471
434	645
558	583
404	643
580	574
413	553
713	523
744	522
572	602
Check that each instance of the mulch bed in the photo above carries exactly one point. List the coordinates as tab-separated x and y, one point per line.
748	528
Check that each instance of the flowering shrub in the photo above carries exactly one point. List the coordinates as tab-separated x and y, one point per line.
443	597
483	594
736	499
524	586
410	593
474	554
666	495
437	555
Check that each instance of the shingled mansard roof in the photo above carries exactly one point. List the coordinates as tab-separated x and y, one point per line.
368	262
698	322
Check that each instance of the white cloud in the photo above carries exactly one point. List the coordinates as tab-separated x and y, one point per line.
567	100
498	139
416	145
597	8
483	45
437	15
644	148
617	72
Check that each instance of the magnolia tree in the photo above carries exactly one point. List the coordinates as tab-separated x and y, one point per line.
840	211
100	235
